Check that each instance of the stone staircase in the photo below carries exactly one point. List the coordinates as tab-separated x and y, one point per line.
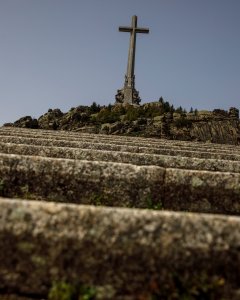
122	215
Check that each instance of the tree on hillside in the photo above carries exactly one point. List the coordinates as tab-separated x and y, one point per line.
94	108
179	110
172	109
161	100
166	105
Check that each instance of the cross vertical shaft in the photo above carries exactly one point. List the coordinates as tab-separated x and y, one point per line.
131	53
129	94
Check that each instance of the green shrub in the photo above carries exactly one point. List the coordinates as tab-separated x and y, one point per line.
183	122
154	112
133	113
65	291
107	116
152	205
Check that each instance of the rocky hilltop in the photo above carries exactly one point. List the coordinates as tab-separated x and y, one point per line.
155	119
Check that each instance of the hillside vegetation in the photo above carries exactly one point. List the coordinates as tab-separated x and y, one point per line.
155	119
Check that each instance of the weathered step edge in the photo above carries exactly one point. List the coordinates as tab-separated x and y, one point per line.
141	159
85	182
118	184
114	141
129	252
123	148
77	135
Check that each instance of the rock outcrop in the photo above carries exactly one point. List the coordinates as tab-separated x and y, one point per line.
149	120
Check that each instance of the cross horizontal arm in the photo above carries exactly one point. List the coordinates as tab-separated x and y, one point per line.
137	30
142	30
125	29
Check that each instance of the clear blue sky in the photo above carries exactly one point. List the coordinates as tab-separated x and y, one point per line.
64	53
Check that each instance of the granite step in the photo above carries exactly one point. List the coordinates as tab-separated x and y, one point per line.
197	153
140	159
67	134
110	138
113	142
79	181
122	254
118	184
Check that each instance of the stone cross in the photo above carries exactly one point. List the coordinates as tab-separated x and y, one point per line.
129	94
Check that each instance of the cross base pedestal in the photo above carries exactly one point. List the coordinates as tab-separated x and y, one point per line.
128	95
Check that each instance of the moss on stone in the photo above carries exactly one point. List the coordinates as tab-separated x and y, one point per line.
66	291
